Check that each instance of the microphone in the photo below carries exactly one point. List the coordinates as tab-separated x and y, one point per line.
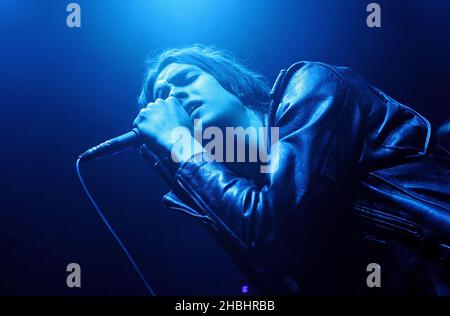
113	146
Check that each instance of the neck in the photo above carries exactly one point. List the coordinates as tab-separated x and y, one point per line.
248	169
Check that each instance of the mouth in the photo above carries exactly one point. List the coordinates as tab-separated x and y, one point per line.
191	106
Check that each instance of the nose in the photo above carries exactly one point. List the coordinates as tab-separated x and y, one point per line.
179	94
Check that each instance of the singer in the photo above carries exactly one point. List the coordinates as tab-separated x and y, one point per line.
359	177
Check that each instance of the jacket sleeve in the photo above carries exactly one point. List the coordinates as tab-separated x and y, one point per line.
319	145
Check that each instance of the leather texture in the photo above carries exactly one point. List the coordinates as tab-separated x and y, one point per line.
359	180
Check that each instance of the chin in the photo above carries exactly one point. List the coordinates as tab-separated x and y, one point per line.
209	121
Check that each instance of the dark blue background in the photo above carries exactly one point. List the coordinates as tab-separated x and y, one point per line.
64	90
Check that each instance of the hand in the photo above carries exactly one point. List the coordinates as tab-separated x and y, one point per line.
157	121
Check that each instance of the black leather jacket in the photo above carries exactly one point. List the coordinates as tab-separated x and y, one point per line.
359	181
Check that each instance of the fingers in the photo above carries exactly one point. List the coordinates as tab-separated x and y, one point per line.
157	101
167	102
137	120
173	100
168	105
144	111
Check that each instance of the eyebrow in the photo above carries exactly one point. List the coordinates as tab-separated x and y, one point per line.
174	78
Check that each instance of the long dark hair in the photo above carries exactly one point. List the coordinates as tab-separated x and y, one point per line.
250	87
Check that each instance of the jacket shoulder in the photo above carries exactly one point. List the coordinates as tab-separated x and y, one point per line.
307	80
390	127
310	75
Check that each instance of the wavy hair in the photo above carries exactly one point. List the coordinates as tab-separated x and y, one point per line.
249	86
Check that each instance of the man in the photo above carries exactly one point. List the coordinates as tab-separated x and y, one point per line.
354	177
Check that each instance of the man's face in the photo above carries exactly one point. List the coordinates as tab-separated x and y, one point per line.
201	96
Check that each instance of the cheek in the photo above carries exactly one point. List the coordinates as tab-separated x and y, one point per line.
208	87
223	114
204	87
221	108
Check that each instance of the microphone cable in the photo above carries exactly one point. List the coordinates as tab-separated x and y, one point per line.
113	233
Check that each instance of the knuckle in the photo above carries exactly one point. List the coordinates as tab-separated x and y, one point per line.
172	99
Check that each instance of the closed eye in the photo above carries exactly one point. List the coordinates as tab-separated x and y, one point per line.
180	79
184	79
